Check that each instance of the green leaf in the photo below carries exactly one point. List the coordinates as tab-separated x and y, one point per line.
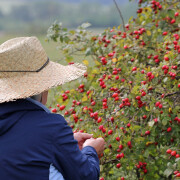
88	51
164	122
85	25
61	38
148	33
170	13
178	163
72	32
165	79
151	123
69	58
168	172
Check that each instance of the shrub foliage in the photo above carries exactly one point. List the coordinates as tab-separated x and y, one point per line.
130	94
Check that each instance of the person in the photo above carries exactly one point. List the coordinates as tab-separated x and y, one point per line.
36	144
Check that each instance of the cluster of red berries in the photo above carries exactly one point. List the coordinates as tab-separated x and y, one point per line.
114	89
158	104
102	83
129	144
140	103
177	119
76	103
55	110
71	111
125	102
119	156
139	11
115	96
115	72
165	68
175	42
65	95
142	166
155	6
137	33
102	40
156	59
101	127
105	106
177	173
111	54
81	88
94	115
172	153
173	75
143	93
76	118
103	60
150	76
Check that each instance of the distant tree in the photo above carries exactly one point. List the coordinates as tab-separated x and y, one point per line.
1	14
37	15
46	10
21	13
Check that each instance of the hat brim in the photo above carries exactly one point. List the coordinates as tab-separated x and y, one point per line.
20	85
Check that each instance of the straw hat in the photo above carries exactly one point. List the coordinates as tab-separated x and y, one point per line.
25	69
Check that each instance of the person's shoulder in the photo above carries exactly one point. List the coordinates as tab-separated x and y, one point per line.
47	124
56	118
46	118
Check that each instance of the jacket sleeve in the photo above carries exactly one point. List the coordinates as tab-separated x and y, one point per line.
68	159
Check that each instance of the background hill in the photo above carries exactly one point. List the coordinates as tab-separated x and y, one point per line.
35	16
80	1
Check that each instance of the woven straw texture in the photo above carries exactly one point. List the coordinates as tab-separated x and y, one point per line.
17	85
22	54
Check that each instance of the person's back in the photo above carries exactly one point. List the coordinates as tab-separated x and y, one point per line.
25	138
29	137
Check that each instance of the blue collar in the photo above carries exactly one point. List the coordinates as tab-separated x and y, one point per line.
39	104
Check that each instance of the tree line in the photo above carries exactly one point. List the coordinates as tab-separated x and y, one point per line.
38	16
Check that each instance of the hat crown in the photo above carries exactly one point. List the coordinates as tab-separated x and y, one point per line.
22	54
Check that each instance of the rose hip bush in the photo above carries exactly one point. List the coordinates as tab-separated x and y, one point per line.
130	94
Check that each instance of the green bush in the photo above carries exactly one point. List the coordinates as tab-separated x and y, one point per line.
130	94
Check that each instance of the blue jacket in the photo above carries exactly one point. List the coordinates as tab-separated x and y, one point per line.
32	139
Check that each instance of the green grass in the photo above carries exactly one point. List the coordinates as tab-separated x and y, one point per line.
50	47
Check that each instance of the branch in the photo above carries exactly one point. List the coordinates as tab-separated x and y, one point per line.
137	173
121	16
110	161
171	94
177	77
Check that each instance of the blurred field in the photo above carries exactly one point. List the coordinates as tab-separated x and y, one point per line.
50	47
6	5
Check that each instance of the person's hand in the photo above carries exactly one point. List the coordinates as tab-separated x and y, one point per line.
81	138
98	144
